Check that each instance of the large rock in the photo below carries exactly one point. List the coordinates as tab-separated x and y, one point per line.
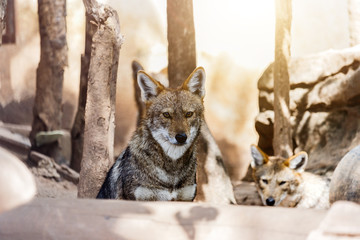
340	223
324	104
309	70
345	182
17	184
46	218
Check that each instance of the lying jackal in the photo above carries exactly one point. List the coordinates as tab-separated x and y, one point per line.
159	163
283	182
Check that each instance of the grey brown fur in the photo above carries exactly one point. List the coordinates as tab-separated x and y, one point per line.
160	160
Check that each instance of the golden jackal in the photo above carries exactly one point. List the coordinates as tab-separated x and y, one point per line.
212	180
283	182
159	163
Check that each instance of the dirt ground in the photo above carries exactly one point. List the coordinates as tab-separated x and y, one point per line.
13	137
50	188
51	184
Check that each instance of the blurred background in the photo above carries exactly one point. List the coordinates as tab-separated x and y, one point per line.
234	41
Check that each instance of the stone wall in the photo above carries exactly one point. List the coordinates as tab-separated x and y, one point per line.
324	105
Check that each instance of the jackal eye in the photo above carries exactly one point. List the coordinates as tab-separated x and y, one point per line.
264	181
166	115
189	114
282	183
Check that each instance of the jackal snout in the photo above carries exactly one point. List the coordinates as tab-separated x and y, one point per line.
270	201
181	137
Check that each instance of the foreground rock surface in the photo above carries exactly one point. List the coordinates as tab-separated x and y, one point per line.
114	219
341	222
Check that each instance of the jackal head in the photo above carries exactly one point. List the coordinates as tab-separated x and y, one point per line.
277	178
173	116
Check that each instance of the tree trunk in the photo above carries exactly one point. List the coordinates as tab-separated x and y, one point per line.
50	74
77	131
98	146
181	39
213	182
3	4
282	141
354	21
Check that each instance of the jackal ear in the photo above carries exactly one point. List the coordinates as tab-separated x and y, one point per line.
195	83
149	87
136	67
297	162
259	157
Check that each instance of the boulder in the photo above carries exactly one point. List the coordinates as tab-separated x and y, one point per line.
324	104
17	184
340	223
345	182
46	218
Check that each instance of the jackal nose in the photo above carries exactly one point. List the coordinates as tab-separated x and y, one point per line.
270	201
181	138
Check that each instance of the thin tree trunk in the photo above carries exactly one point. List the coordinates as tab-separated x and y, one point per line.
181	39
354	21
77	131
50	73
3	4
100	101
213	182
282	141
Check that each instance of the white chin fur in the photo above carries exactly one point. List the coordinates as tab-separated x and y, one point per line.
168	144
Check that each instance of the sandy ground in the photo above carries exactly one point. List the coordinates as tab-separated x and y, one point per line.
50	188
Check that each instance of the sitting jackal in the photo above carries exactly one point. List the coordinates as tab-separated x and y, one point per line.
213	183
283	182
159	163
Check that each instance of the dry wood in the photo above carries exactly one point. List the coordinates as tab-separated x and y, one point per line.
213	182
77	131
3	4
181	39
282	141
50	73
99	129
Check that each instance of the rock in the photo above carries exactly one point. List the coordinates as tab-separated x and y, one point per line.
62	137
47	167
324	104
345	182
309	70
46	218
47	137
246	194
213	181
264	125
13	141
23	130
67	173
341	222
327	136
335	91
17	184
